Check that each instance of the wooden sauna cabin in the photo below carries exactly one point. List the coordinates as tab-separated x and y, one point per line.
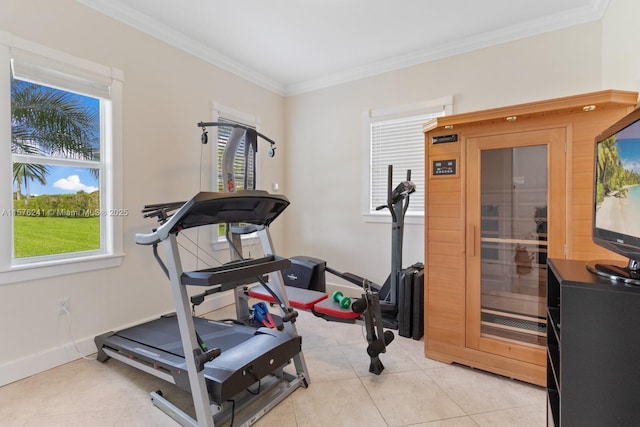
505	189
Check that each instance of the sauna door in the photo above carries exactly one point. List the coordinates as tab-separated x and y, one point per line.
515	209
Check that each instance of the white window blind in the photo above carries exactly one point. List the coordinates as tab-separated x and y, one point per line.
243	167
35	68
398	142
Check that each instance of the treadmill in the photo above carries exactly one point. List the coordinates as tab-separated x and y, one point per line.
232	368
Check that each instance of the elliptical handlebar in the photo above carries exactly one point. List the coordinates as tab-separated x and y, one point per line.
399	194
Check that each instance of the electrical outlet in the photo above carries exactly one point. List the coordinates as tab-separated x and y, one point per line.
63	306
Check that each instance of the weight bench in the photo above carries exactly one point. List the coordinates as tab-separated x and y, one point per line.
321	305
304	299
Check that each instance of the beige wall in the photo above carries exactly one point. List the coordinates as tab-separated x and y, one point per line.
319	165
621	37
326	136
166	92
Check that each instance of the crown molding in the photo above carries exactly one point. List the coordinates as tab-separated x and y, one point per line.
122	12
593	12
119	10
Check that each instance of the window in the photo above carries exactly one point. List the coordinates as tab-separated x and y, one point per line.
395	137
63	204
55	150
244	161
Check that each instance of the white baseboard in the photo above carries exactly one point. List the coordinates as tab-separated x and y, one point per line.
41	361
215	302
352	291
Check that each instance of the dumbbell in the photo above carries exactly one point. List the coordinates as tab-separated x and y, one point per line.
345	302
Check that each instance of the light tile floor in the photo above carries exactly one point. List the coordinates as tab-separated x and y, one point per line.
412	391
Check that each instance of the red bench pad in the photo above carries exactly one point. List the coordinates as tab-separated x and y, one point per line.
331	308
303	299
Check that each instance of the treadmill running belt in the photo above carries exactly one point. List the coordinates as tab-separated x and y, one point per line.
248	354
164	334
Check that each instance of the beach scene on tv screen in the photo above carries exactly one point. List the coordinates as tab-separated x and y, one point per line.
618	182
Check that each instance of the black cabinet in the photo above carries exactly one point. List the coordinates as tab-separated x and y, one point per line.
593	346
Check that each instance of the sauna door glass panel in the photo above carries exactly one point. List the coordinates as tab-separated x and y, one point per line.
513	243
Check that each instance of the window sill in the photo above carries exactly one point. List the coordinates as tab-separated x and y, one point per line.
222	244
34	271
386	218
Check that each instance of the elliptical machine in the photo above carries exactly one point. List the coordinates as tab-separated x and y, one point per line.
397	204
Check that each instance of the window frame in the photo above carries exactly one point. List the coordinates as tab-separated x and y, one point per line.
111	253
443	105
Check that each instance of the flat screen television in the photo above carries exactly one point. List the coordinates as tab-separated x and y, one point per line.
616	198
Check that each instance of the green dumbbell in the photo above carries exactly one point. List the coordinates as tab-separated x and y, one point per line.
345	302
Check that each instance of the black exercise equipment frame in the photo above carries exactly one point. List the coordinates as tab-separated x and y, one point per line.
397	204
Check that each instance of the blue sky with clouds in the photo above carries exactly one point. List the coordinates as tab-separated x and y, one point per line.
65	180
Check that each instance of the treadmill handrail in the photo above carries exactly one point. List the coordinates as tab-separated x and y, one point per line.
175	223
162	232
